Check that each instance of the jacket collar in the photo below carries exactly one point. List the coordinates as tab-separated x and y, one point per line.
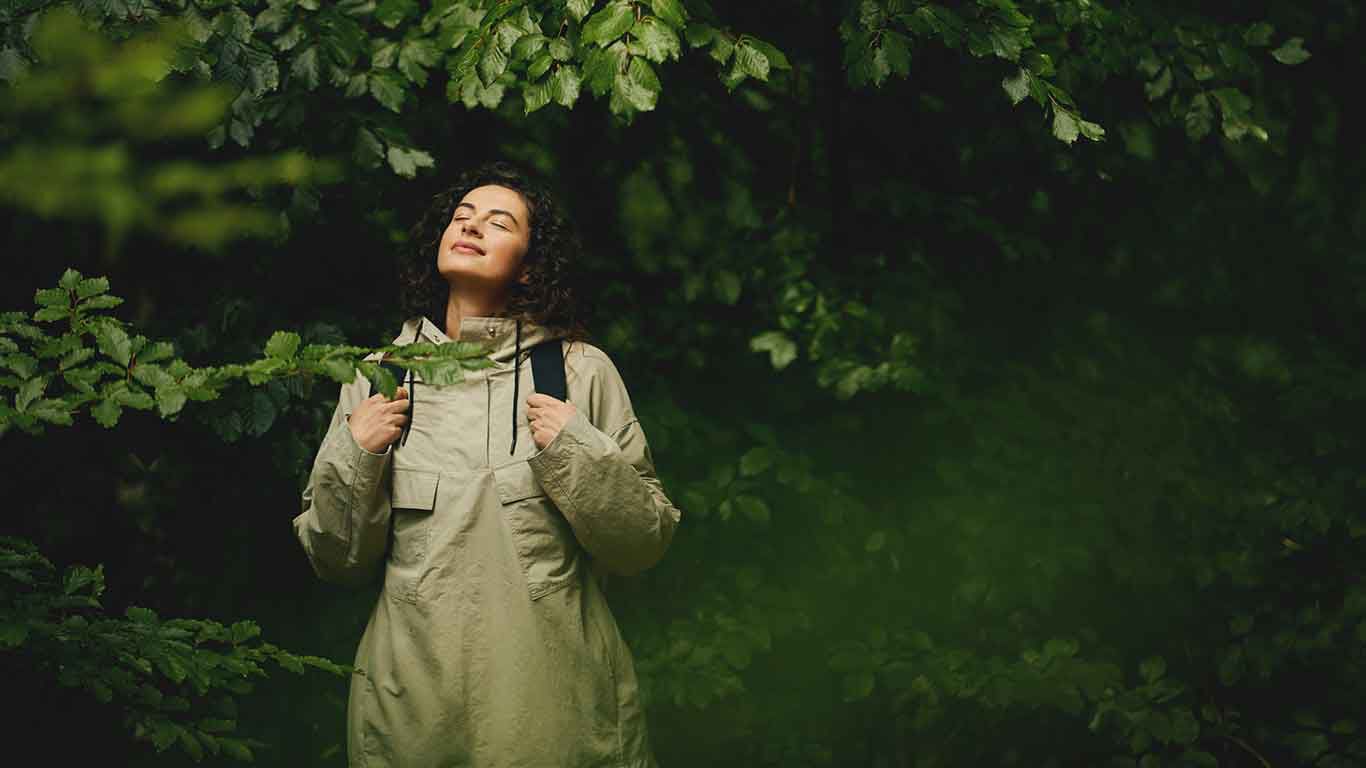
497	334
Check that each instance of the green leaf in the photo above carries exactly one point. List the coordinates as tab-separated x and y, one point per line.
657	41
391	13
262	414
1185	729
405	160
69	279
305	67
283	345
114	343
1199	119
170	400
528	46
635	89
608	24
140	615
80	579
237	750
727	286
92	286
1092	131
777	60
244	630
535	96
388	90
1065	125
1159	87
753	507
369	149
876	541
272	19
781	350
579	8
51	314
52	297
29	391
492	63
560	49
12	635
751	61
565	85
539	66
415	57
1017	86
23	365
1291	52
756	460
52	412
601	65
1259	35
101	302
671	12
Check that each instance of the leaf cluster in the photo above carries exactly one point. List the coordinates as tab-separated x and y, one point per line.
176	681
92	362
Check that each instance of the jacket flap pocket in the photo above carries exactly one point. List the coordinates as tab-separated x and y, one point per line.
516	481
414	489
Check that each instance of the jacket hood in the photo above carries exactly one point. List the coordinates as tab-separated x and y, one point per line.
503	336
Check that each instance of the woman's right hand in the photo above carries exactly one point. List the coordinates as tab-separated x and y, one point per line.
378	421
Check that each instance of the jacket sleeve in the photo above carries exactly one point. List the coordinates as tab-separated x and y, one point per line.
344	522
604	482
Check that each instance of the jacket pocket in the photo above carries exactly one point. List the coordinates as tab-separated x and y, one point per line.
412	502
542	537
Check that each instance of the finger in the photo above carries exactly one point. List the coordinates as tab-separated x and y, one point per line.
395	406
541	400
400	394
398	420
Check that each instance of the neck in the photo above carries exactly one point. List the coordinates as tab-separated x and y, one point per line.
461	305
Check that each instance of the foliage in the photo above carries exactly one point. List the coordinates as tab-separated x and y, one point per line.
87	164
102	367
176	681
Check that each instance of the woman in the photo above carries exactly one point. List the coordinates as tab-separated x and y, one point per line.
491	643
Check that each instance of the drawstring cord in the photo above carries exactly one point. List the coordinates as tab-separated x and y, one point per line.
411	378
516	380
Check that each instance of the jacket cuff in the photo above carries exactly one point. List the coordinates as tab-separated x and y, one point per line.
363	462
557	454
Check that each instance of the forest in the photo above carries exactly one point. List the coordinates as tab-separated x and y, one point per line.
1004	358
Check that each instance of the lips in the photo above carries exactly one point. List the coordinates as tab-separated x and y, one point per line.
468	248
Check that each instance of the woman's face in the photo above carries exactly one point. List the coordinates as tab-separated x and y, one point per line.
486	239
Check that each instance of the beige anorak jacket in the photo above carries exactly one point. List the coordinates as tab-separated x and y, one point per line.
491	644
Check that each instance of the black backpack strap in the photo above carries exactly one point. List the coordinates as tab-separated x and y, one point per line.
547	369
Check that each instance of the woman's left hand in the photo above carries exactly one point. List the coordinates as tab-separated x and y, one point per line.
547	416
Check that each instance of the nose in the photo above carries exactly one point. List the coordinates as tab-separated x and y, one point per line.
468	226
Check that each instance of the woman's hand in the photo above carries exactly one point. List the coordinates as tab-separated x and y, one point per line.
378	421
547	416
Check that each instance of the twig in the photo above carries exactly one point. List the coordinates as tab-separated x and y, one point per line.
1249	749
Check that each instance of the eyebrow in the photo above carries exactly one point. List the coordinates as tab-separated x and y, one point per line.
491	211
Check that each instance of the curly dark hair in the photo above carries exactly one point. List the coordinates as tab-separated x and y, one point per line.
549	297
